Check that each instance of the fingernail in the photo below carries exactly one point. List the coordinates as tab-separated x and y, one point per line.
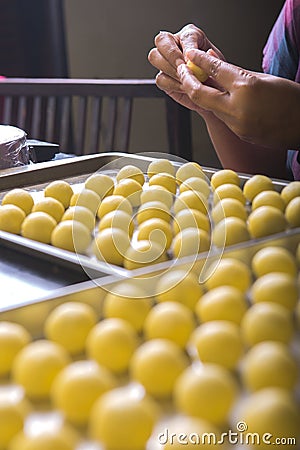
180	69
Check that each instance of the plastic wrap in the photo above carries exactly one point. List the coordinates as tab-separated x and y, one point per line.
14	151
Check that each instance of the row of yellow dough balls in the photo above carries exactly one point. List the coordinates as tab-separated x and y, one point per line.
230	231
191	386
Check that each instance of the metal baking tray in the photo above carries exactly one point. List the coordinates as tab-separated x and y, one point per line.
33	314
30	269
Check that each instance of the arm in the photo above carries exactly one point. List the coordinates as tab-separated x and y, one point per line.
229	127
242	156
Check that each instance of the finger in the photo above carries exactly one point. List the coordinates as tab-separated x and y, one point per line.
192	37
167	84
173	89
204	96
222	72
158	61
168	46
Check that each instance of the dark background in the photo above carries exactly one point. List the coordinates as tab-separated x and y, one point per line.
111	39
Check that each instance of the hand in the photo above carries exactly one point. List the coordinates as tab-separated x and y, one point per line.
259	108
169	54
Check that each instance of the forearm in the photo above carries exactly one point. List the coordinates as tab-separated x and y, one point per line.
243	156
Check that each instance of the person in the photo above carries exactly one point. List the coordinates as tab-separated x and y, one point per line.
252	118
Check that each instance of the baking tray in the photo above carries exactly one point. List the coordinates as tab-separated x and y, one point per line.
30	269
43	267
33	314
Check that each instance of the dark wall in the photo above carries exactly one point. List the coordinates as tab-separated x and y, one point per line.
32	38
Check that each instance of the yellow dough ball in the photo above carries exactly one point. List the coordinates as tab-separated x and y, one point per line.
189	170
273	259
11	218
112	343
228	190
190	241
275	410
297	313
60	190
13	337
197	71
230	231
100	183
11	421
144	253
69	325
277	287
77	387
156	230
80	214
224	176
268	198
71	235
132	172
255	185
190	218
117	219
92	296
58	437
130	189
156	192
50	206
228	207
206	391
267	321
222	303
195	184
212	341
160	166
123	419
127	302
298	254
290	191
110	245
231	272
266	220
36	366
31	316
170	320
292	212
269	364
113	203
156	364
165	180
87	198
179	286
152	209
38	226
190	200
19	197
